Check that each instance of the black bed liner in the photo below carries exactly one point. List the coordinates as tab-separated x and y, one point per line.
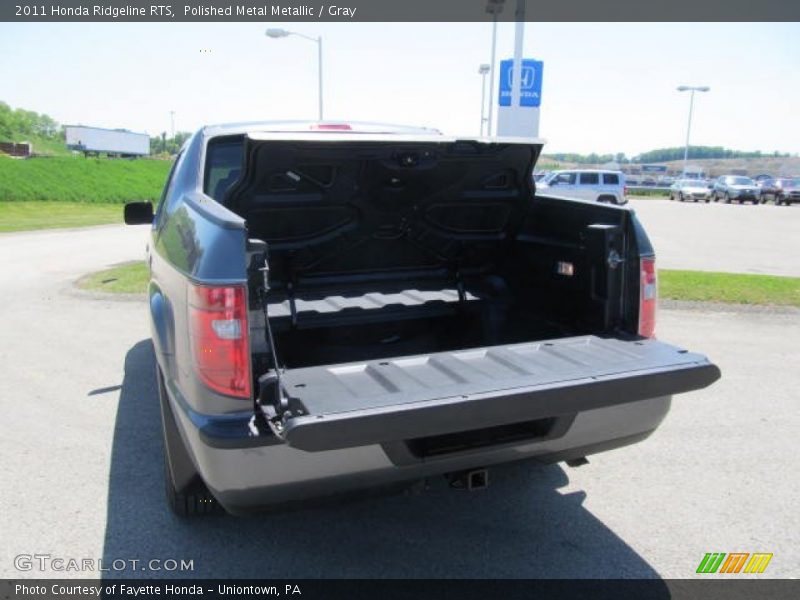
356	404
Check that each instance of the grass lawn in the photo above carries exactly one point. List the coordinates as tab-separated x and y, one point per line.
129	278
24	216
729	288
675	285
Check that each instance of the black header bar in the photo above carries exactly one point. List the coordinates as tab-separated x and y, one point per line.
361	11
393	589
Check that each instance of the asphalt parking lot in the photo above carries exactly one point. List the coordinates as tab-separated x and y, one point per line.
723	237
82	451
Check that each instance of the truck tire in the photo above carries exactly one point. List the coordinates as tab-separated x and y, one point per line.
186	493
608	199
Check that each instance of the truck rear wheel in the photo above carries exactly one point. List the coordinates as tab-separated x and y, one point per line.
186	493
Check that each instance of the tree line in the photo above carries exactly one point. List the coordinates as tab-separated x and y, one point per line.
664	155
20	123
701	152
162	144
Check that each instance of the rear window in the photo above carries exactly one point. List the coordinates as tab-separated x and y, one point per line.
223	166
610	178
590	178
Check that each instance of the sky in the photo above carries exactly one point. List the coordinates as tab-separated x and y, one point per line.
607	87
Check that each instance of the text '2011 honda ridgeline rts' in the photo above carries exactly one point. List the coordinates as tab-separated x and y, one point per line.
336	307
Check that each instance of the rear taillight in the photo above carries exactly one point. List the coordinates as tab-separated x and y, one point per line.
625	191
648	296
219	338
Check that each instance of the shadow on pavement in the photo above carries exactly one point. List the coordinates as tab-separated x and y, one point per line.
520	527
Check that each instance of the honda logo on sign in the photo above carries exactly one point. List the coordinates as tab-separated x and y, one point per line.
530	90
528	77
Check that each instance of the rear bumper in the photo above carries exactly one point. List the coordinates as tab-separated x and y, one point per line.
384	422
245	479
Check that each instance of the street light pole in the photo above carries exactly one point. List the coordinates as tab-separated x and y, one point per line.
281	33
494	8
319	73
483	70
691	90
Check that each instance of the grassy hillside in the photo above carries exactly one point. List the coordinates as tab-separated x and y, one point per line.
789	165
78	179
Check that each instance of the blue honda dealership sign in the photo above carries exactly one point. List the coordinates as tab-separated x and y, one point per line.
531	86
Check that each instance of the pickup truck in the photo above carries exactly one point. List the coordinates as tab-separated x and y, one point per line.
336	307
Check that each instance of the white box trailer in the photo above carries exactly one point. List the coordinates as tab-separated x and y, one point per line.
110	141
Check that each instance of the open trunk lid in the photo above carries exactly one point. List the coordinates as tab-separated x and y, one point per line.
366	205
374	402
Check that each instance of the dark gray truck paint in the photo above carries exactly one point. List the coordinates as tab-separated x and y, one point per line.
439	239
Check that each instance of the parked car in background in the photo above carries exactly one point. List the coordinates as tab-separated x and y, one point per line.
586	184
784	190
666	181
690	190
735	187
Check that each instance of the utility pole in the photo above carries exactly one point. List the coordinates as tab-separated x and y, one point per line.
483	70
692	89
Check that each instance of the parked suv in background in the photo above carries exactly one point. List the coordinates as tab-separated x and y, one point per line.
735	187
781	190
586	184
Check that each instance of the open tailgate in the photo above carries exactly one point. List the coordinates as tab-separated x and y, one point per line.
372	402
